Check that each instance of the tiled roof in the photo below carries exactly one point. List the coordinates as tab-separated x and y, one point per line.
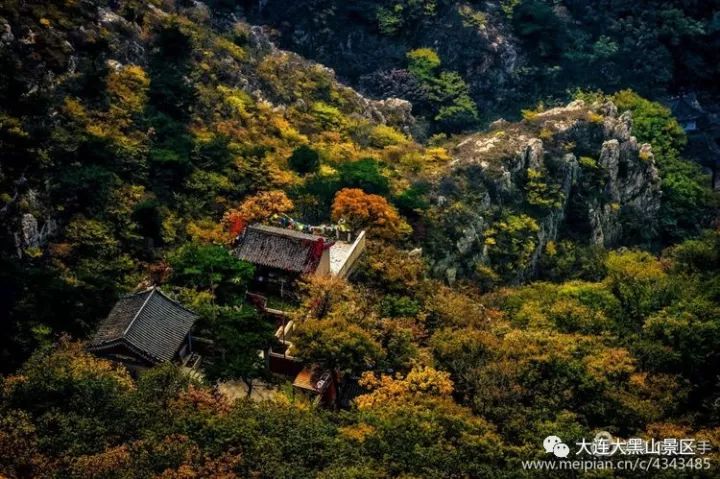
280	248
148	322
313	379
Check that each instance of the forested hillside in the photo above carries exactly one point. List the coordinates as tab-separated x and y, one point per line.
557	273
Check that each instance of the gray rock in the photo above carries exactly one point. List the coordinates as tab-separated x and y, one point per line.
6	34
495	168
534	154
30	231
499	124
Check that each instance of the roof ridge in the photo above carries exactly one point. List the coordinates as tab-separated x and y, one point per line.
285	232
135	292
152	290
173	301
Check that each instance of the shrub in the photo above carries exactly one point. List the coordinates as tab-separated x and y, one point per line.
364	174
304	160
383	135
423	62
328	116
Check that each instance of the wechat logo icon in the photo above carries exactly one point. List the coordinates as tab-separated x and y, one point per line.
555	445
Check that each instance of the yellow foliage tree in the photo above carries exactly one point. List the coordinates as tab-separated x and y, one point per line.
421	381
127	87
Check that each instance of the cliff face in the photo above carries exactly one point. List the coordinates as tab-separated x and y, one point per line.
574	171
370	52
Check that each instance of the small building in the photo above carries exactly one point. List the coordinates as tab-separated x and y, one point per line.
688	111
702	127
284	251
316	384
282	255
146	329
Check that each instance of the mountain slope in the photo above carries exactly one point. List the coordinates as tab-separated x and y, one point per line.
128	130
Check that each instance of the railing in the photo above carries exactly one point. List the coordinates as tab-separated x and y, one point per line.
357	249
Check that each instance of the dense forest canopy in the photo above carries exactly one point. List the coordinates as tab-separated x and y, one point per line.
556	272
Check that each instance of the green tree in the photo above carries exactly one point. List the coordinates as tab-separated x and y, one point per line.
691	328
337	344
240	336
456	109
447	93
304	160
211	268
364	174
423	63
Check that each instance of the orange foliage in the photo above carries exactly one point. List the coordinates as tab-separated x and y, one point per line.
20	449
258	207
200	400
222	467
361	210
103	464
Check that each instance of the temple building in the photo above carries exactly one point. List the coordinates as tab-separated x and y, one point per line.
282	255
284	251
702	126
688	112
146	329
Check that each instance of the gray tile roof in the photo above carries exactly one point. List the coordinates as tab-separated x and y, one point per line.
148	322
280	248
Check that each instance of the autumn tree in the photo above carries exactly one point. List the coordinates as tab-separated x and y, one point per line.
362	210
337	345
413	427
639	281
76	401
323	296
20	452
258	207
417	383
391	269
334	327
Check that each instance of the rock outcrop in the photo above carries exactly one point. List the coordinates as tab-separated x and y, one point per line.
520	185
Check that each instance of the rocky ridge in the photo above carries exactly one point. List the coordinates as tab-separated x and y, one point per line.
576	164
